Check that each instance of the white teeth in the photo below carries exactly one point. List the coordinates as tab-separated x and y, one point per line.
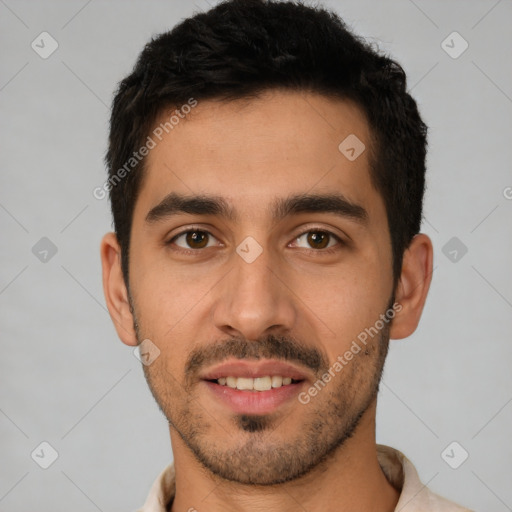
277	381
262	383
258	384
243	383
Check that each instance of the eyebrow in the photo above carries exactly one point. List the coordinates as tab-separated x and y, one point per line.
176	204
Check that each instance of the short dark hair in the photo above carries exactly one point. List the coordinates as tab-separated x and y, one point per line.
241	48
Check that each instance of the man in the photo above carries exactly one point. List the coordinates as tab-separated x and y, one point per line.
266	175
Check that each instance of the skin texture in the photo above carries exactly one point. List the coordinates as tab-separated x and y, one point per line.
296	301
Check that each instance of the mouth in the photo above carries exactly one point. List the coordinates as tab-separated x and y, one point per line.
259	387
258	384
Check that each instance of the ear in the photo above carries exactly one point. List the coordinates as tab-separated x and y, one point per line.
413	285
114	288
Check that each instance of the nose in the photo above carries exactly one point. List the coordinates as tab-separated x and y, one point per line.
253	300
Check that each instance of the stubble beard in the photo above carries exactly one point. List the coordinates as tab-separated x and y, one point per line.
265	449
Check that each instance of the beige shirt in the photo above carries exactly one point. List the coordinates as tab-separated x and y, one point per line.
414	496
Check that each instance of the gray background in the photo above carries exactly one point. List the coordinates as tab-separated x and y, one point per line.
65	377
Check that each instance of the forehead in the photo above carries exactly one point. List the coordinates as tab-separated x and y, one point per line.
253	150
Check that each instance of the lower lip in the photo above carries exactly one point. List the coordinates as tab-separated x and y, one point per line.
254	402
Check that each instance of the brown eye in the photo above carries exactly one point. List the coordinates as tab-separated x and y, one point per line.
318	239
196	239
193	239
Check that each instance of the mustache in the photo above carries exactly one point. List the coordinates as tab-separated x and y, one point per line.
269	347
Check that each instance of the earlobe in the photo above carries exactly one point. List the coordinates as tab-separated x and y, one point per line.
413	285
114	288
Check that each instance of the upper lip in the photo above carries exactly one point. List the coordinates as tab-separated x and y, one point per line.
253	369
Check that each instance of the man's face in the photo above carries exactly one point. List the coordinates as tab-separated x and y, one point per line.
265	291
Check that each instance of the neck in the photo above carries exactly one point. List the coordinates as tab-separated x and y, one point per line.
351	479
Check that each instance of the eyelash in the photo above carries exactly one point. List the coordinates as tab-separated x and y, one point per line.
330	250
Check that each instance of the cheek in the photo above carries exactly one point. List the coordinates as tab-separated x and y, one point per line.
165	291
171	305
346	302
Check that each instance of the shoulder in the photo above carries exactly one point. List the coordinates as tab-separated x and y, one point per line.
414	496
